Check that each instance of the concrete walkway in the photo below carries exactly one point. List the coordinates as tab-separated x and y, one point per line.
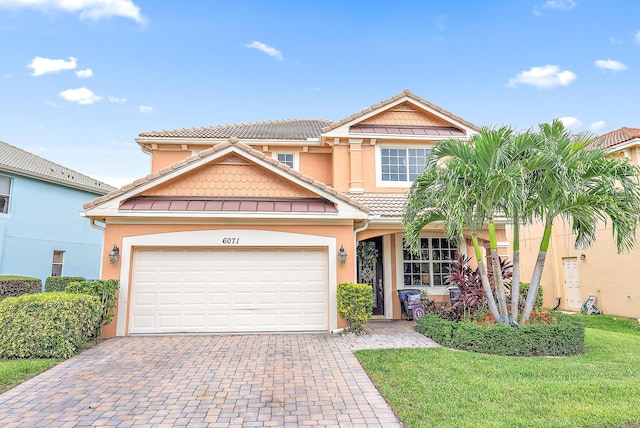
213	381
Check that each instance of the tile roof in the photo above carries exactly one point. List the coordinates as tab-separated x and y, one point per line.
18	161
219	147
289	129
406	93
447	131
382	204
613	138
185	203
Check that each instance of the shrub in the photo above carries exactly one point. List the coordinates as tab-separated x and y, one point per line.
564	336
50	325
58	283
355	305
524	290
104	290
13	286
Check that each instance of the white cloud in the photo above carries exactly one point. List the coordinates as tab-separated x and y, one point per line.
609	64
42	65
116	100
80	96
145	109
88	9
598	125
637	37
84	73
543	77
560	4
266	49
570	122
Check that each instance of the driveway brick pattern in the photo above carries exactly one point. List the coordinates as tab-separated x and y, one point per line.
250	380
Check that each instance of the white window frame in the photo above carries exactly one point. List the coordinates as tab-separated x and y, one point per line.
8	196
296	158
378	159
431	289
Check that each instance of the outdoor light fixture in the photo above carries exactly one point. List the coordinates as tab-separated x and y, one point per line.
583	256
342	255
114	255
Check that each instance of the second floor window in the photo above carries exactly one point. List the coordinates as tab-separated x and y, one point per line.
402	165
5	194
287	159
56	265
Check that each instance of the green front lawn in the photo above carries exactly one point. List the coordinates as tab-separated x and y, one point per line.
12	372
447	388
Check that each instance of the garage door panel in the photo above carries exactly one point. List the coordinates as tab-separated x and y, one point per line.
222	290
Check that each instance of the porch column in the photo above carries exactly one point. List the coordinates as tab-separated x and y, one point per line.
355	156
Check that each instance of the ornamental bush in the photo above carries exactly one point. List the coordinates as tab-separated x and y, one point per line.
355	305
105	291
12	286
47	325
58	283
564	336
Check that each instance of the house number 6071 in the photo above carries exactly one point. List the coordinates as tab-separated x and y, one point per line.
230	241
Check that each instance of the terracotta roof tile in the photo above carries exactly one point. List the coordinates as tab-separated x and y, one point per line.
390	205
406	93
18	161
289	129
613	138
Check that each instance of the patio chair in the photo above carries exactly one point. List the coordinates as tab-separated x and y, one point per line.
590	305
455	295
406	301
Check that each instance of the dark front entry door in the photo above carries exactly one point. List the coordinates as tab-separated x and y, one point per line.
370	270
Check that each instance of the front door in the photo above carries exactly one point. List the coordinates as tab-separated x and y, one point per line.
369	254
572	282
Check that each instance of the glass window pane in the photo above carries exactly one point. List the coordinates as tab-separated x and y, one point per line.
5	185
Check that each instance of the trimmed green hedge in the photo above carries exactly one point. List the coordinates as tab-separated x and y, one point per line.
49	325
560	338
12	286
58	283
355	305
105	290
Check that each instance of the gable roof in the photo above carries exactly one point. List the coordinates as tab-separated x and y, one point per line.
616	137
18	161
234	143
289	129
406	94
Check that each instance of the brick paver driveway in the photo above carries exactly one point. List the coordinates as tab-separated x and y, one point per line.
213	380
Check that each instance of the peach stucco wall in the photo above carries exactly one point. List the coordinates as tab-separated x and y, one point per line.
318	166
115	233
163	158
612	277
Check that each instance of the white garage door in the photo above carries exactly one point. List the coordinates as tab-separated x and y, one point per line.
228	290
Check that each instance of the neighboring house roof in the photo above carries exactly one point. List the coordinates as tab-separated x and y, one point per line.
18	161
289	129
614	138
405	94
382	204
219	147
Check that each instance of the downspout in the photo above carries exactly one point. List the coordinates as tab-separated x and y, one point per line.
96	226
355	246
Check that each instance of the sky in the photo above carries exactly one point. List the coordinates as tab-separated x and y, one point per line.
79	80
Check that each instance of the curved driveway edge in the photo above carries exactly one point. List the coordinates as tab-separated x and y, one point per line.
213	381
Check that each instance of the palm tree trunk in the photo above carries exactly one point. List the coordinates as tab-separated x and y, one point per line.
515	279
497	273
484	277
537	275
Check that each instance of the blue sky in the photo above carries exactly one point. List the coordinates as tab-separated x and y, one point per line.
80	80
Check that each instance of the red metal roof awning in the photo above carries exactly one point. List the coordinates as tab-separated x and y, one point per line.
231	204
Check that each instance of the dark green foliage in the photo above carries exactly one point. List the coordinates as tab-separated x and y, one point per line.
565	336
355	305
58	283
524	290
49	325
12	286
105	291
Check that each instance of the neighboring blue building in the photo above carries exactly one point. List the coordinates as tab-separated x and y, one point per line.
41	231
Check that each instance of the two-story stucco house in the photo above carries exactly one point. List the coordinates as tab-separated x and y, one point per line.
251	227
571	275
41	233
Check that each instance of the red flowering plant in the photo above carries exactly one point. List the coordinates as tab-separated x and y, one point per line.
486	320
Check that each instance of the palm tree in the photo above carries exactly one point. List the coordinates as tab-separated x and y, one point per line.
584	187
464	185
